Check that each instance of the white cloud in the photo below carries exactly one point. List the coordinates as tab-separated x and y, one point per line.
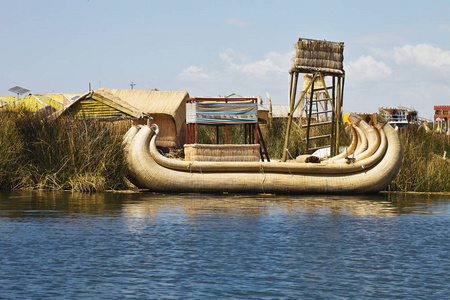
240	73
424	55
367	68
238	64
236	22
419	76
228	55
194	72
273	64
444	28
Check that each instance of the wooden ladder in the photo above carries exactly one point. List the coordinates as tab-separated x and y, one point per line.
317	109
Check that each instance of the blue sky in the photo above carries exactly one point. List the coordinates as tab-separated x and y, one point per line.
396	52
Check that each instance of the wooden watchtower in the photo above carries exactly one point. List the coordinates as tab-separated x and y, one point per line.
321	98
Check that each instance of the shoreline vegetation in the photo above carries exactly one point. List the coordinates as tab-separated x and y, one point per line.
38	152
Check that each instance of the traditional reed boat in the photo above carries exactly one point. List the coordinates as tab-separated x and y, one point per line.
368	165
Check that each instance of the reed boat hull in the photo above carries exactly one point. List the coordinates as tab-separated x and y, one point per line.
376	161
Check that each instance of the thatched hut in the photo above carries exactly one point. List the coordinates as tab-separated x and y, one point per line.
167	108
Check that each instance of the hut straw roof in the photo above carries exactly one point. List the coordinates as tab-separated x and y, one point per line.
171	103
151	101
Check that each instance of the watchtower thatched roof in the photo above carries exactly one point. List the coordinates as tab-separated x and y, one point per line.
318	56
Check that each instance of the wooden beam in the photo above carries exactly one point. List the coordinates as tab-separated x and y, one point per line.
289	121
309	115
226	133
333	142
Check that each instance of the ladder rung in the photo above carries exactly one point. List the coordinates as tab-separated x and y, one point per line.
323	89
319	137
321	112
319	100
317	124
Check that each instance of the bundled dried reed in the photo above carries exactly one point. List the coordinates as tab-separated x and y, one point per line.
208	152
322	56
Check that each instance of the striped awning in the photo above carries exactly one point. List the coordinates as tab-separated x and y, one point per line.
221	113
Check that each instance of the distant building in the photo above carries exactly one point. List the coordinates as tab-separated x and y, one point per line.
442	118
400	116
38	102
34	103
6	99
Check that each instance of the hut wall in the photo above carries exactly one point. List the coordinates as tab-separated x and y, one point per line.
263	116
207	152
167	136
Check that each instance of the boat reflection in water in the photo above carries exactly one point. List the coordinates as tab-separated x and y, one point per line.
151	205
192	206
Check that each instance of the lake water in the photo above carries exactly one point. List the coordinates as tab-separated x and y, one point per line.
153	246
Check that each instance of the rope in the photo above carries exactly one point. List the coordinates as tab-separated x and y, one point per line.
287	150
261	168
292	175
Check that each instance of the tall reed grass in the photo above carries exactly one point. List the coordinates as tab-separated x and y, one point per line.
424	168
60	154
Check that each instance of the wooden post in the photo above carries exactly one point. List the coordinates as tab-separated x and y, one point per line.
245	134
217	134
289	122
196	137
294	92
190	134
309	114
226	133
187	133
253	132
333	119
270	108
340	102
290	88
